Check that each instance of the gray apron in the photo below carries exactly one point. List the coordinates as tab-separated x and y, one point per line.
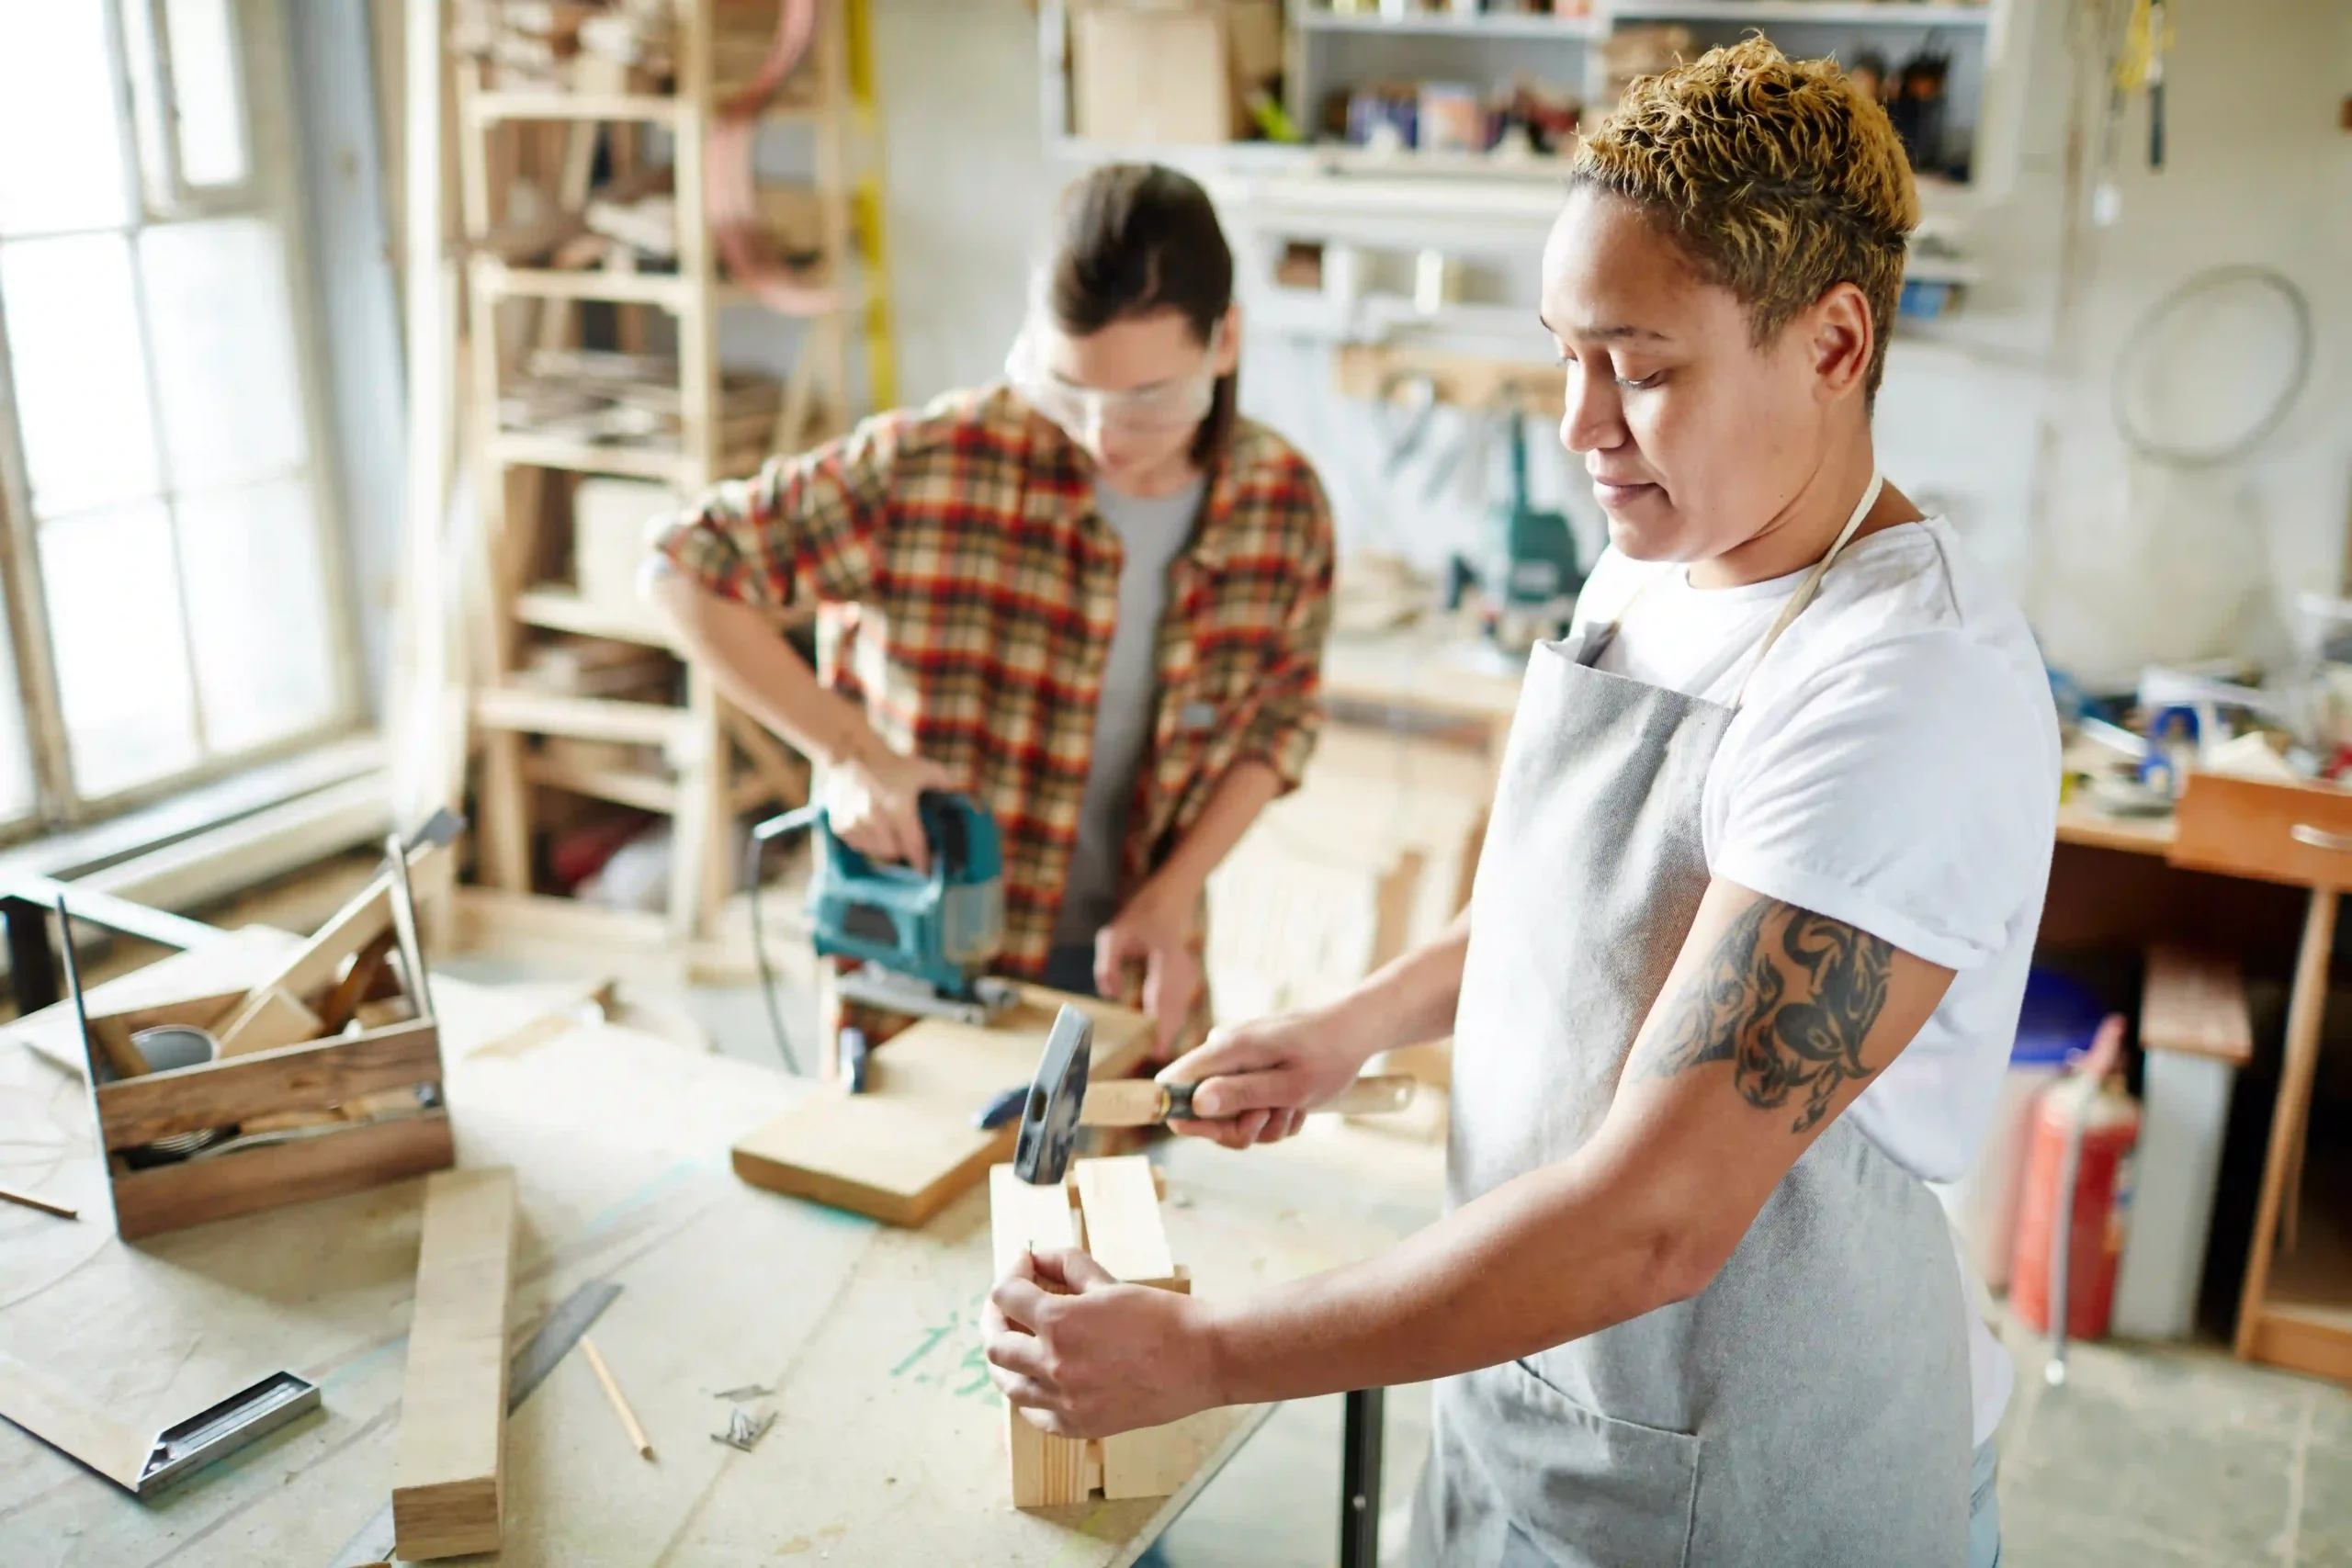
1811	1407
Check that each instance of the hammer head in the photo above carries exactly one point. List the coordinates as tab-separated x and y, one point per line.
1049	1121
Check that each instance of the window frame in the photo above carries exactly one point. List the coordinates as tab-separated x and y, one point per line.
273	191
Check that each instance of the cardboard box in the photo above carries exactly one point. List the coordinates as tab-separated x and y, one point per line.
1171	74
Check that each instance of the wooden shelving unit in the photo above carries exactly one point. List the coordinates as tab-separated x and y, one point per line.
712	763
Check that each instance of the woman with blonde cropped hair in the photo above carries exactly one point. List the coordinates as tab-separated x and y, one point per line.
1743	964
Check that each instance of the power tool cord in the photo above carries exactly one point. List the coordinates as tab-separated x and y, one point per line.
760	951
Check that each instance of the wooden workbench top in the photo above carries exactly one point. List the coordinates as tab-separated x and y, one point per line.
886	1449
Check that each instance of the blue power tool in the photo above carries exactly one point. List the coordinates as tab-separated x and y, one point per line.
922	939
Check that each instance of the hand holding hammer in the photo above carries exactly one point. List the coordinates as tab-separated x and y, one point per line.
1060	1101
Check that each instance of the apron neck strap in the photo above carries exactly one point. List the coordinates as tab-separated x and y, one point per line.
1812	583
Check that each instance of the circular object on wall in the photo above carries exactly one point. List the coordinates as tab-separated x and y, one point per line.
2213	368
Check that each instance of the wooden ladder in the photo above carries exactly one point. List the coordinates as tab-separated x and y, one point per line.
717	763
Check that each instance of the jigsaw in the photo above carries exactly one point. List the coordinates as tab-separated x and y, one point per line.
922	940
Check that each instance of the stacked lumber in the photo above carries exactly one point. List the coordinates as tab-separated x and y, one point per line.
632	400
609	46
564	46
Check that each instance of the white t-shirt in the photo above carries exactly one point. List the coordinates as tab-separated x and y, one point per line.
1893	766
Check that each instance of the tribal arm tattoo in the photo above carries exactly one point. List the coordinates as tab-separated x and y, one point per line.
1787	998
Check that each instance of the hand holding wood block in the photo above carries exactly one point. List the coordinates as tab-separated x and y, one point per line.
1112	1208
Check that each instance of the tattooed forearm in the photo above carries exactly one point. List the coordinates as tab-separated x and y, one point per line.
1787	998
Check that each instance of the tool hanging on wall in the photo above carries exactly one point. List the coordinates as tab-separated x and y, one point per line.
1530	573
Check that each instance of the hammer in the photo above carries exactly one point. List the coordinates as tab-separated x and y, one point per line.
1060	1101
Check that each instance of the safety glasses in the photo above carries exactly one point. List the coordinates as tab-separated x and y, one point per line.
1186	399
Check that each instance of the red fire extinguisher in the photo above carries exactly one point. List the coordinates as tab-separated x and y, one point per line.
2076	1200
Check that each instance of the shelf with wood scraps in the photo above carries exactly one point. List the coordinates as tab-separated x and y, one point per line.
1446	24
523	711
668	290
557	608
630	787
622	786
651	108
516	447
1839	12
664	290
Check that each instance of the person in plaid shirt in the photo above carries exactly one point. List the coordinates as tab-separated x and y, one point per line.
1091	594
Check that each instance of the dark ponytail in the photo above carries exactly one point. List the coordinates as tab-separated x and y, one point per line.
1133	238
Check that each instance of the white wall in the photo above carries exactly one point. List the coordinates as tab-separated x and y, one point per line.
2000	417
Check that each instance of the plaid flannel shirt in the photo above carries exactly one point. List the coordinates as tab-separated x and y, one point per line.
966	589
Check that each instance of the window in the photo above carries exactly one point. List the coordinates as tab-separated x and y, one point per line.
168	563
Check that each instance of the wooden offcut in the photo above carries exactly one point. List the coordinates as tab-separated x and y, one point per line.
273	1018
1046	1470
1121	1203
906	1148
448	1469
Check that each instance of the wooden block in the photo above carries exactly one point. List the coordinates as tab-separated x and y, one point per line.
276	1018
895	1161
194	1192
383	1014
295	1078
1120	1205
2196	1002
1046	1470
906	1148
1151	1463
448	1469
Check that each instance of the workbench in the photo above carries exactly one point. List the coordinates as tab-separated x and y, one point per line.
887	1446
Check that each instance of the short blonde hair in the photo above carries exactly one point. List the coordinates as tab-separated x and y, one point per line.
1777	177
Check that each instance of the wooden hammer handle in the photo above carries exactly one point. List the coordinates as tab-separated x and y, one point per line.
1143	1102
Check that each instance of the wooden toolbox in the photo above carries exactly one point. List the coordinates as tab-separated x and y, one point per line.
327	1077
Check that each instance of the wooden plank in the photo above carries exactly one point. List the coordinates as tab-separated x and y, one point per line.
2195	1002
295	1077
1152	1462
563	610
903	1151
273	1019
488	107
893	1160
313	965
65	1419
2304	1340
1118	1201
584	718
1046	1470
1121	1203
625	786
448	1470
2306	1011
172	1197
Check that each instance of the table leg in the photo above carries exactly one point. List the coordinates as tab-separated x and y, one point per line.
1360	1478
2306	1011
